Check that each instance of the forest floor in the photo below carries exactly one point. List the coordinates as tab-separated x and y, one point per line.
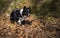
39	28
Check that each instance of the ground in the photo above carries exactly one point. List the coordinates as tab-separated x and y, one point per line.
39	28
36	30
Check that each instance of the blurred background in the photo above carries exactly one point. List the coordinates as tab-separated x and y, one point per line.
46	14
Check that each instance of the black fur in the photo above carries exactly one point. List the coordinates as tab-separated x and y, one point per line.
15	15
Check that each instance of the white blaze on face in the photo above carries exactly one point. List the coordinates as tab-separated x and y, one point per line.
28	13
28	9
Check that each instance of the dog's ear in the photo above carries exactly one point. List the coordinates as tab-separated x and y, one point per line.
29	9
24	7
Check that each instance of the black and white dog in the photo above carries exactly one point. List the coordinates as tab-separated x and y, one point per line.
19	15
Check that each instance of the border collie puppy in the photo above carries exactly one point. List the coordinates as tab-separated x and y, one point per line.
25	12
19	15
